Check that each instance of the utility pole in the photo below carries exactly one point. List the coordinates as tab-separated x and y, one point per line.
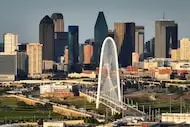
143	108
149	112
181	108
128	101
106	116
163	15
170	105
85	98
153	115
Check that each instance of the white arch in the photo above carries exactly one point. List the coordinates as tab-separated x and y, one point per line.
112	60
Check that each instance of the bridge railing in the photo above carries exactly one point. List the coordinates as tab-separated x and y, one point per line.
115	103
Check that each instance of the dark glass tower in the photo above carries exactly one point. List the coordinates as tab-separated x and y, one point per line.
150	46
128	45
171	39
100	33
73	47
1	47
60	41
22	65
46	37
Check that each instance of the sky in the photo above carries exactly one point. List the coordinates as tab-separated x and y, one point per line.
23	16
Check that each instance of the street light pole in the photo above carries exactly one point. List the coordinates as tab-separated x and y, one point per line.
181	105
170	105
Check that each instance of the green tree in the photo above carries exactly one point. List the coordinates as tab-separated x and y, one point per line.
39	106
48	106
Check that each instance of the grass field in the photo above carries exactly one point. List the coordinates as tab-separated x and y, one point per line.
81	102
10	110
162	102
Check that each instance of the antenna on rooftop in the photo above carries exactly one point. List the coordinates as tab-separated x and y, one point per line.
163	15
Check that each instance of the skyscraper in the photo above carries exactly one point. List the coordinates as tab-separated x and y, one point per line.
119	32
149	46
100	33
60	41
139	39
46	37
58	22
10	43
22	64
88	52
125	41
73	47
34	52
166	38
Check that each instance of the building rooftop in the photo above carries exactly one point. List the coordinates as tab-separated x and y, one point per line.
55	16
46	20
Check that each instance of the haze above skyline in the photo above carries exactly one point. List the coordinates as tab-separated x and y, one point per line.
23	16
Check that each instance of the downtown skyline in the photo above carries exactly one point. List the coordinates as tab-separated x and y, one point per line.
24	20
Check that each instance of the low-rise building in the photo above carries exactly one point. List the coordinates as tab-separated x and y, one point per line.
163	73
176	118
8	66
63	123
53	90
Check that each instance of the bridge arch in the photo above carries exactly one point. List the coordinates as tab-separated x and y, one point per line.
108	77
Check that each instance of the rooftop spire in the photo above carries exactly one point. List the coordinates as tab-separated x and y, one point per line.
163	15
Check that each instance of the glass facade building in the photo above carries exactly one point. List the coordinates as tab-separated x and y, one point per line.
1	47
46	37
22	65
60	41
166	38
73	47
149	46
100	33
128	45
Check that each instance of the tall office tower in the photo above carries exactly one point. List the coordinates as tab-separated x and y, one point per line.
58	22
60	41
100	33
34	52
46	38
139	39
22	64
119	32
185	49
166	38
10	43
149	46
73	47
88	52
125	40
